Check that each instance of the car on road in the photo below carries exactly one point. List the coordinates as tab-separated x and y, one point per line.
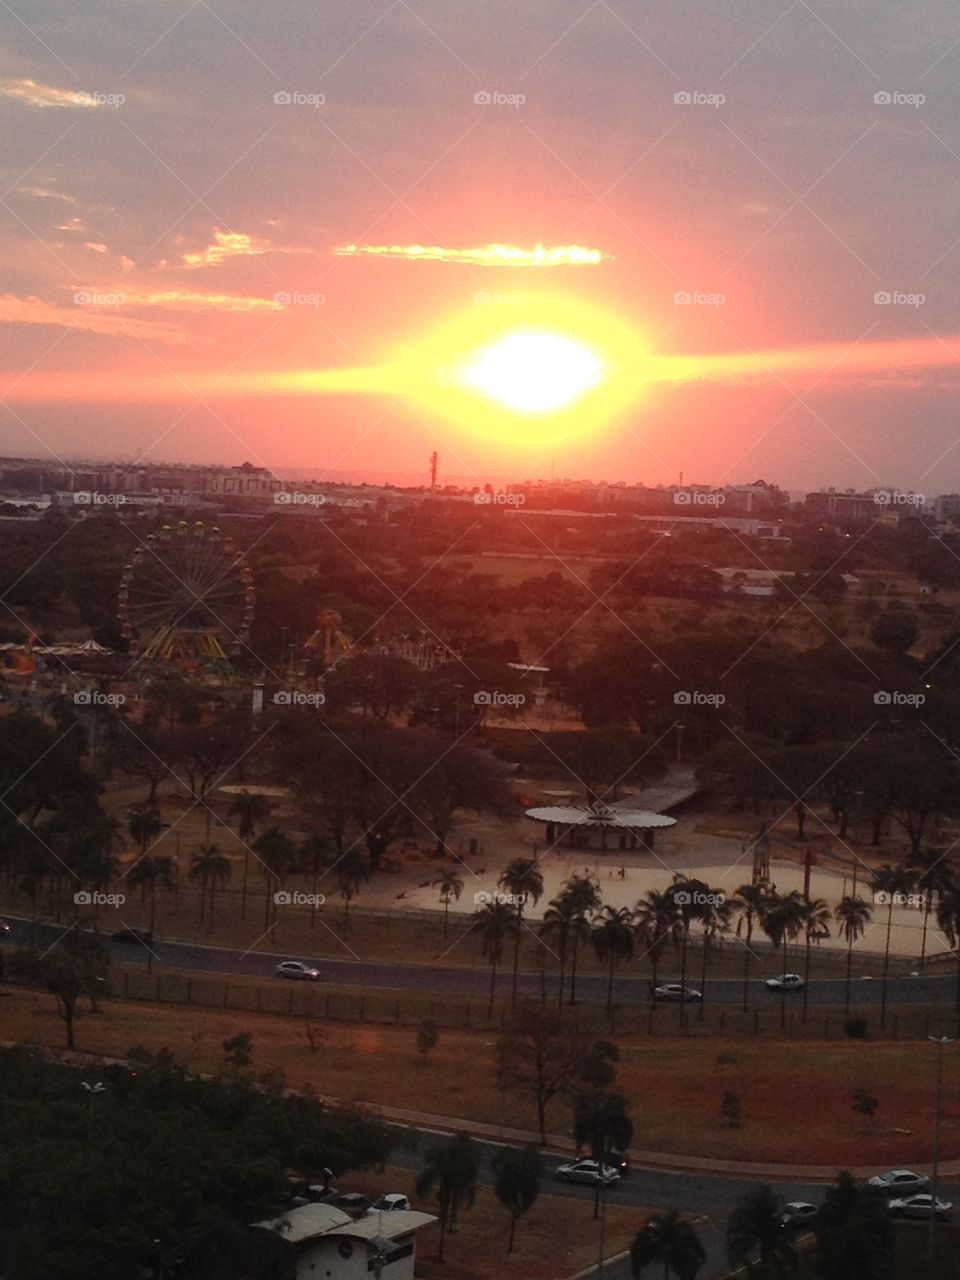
617	1160
897	1183
674	991
589	1172
131	935
786	982
297	970
352	1202
392	1202
921	1206
5	928
797	1214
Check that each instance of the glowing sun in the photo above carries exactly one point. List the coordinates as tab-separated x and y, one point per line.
532	372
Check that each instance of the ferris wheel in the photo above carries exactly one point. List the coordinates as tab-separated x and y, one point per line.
186	597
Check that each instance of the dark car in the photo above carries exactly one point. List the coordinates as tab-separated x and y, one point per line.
618	1160
131	935
5	928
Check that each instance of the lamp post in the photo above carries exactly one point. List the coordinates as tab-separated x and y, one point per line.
603	1222
941	1042
93	1090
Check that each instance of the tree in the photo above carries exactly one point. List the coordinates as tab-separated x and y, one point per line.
690	897
250	810
751	902
275	850
143	751
852	915
889	884
555	931
612	938
449	1173
522	878
895	631
864	1103
601	1122
667	1240
657	921
495	921
210	867
427	1036
715	916
948	918
450	884
352	871
78	965
934	876
518	1171
854	1233
151	873
238	1050
815	919
731	1108
755	1232
782	921
582	896
144	825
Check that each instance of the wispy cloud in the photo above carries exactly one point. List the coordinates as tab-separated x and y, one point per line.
189	300
232	244
45	95
93	312
487	255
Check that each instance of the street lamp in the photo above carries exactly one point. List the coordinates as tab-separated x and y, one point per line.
93	1090
941	1042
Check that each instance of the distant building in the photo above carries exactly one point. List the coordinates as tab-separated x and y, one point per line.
331	1243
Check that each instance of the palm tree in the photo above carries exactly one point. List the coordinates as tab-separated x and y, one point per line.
934	877
601	1122
521	878
666	1239
275	850
450	1172
316	851
755	1231
450	884
144	825
751	902
815	919
612	937
715	916
690	897
151	873
853	915
782	922
496	921
352	872
948	918
583	897
211	868
888	884
252	811
518	1171
657	920
556	930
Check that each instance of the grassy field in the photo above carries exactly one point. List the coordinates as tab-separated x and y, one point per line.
796	1097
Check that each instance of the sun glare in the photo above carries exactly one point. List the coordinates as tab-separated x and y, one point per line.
532	372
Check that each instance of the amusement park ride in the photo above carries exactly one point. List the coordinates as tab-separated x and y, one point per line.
187	599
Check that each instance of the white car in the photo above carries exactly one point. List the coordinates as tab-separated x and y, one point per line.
674	991
920	1207
391	1202
589	1172
296	969
786	982
898	1183
797	1214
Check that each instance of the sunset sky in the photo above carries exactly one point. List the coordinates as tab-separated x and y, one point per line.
675	218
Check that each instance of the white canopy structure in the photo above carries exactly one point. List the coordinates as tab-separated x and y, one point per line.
627	823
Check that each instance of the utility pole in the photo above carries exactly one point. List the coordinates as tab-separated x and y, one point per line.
941	1042
603	1220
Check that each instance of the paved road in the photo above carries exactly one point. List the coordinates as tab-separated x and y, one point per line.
476	982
